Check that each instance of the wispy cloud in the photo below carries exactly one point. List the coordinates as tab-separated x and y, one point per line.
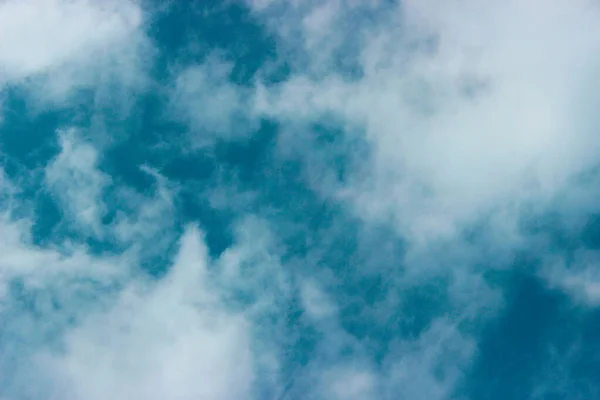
210	104
74	178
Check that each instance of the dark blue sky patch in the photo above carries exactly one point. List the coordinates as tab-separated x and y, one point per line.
28	135
188	32
516	346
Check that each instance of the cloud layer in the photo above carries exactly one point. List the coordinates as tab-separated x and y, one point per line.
334	200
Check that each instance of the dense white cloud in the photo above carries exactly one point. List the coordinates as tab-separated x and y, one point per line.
487	114
51	47
170	339
38	36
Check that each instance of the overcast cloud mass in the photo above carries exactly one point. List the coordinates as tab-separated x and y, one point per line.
284	199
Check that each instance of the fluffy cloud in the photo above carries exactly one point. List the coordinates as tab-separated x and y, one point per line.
49	48
95	325
466	108
90	326
170	339
475	118
472	114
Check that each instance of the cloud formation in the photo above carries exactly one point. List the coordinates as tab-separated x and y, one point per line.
466	107
351	222
49	47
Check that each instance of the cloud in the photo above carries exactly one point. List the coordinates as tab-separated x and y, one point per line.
348	383
424	132
471	120
469	123
468	114
430	367
146	221
210	104
315	303
43	292
94	325
166	339
90	326
74	178
87	194
54	47
577	275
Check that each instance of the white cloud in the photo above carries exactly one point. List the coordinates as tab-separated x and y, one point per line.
347	383
170	339
74	178
428	366
468	114
86	195
578	275
146	221
97	327
252	266
42	35
210	104
51	47
315	302
472	113
485	117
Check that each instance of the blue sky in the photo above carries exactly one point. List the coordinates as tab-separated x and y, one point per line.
319	199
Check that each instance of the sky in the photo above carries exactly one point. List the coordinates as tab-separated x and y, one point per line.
299	199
